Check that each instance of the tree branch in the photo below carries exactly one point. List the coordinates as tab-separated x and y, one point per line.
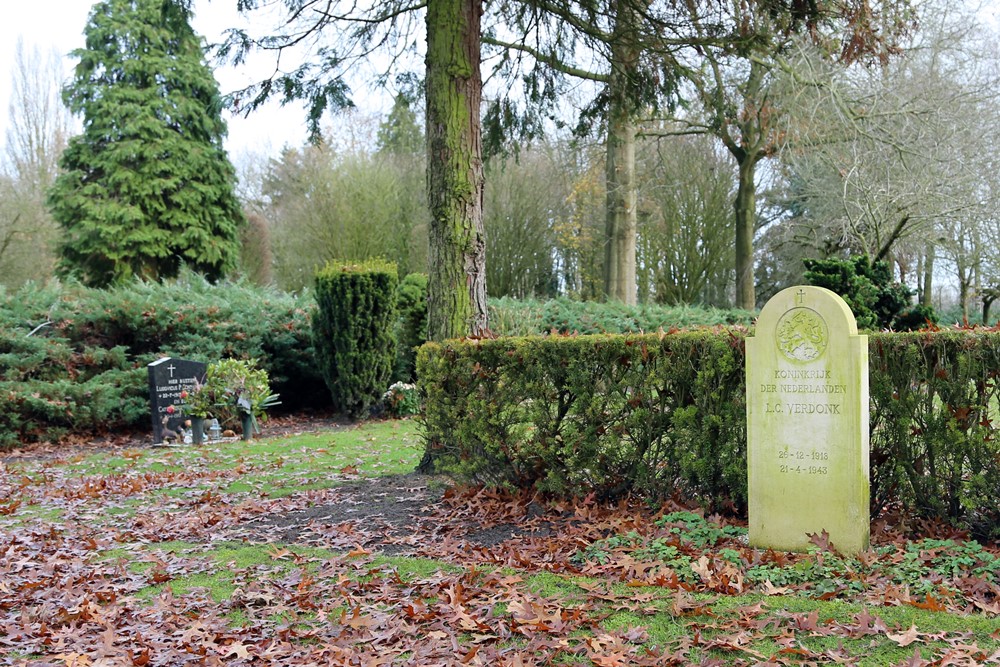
548	59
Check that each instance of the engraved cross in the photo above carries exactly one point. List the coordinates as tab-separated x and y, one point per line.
171	368
801	294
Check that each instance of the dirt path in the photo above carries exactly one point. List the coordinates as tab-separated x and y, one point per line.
395	515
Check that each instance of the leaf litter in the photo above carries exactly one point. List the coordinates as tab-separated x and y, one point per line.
79	556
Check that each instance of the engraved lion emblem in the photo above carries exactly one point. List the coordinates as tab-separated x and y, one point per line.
801	334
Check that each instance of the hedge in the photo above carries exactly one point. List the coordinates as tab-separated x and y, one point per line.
933	433
526	317
664	414
353	331
73	359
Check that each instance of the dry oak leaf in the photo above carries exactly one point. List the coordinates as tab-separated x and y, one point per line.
989	608
771	589
905	638
239	649
703	569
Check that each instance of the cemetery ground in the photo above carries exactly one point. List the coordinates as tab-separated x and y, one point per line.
323	547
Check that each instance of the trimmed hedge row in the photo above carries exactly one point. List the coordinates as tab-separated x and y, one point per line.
659	415
934	419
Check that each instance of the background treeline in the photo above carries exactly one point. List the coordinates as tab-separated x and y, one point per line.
544	212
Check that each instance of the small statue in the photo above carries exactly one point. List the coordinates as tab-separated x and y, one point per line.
168	433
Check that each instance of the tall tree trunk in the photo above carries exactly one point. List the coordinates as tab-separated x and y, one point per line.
964	286
989	296
644	272
919	277
620	229
746	218
620	243
926	294
456	289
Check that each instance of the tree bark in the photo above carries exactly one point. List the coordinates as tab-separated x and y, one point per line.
746	218
620	244
989	296
963	296
926	295
621	222
456	289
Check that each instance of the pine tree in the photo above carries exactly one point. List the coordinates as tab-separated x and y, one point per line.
147	186
399	133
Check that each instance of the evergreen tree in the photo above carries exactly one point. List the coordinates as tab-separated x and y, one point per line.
399	133
147	186
876	299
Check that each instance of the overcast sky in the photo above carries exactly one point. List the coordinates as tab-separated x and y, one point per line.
59	24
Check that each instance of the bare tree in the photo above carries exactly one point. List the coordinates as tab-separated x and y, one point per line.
890	162
38	128
686	221
38	124
324	204
524	199
734	82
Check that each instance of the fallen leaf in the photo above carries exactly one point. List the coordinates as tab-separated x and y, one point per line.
905	638
141	659
702	567
771	589
239	649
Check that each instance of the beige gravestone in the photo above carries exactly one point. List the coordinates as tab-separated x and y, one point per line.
807	423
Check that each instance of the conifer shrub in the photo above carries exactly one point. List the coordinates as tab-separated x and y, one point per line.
868	288
411	325
49	389
192	318
50	386
73	359
353	331
146	186
525	317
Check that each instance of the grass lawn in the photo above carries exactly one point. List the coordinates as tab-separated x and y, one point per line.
174	556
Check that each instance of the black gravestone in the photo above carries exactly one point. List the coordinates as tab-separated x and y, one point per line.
167	379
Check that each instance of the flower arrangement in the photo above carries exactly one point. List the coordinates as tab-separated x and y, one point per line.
201	400
242	391
233	390
402	399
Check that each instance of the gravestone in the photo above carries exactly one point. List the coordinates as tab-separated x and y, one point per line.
167	379
807	423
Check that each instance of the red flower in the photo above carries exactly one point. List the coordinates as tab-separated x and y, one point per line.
184	394
170	410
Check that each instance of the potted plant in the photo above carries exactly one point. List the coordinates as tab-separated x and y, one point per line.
243	391
199	404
